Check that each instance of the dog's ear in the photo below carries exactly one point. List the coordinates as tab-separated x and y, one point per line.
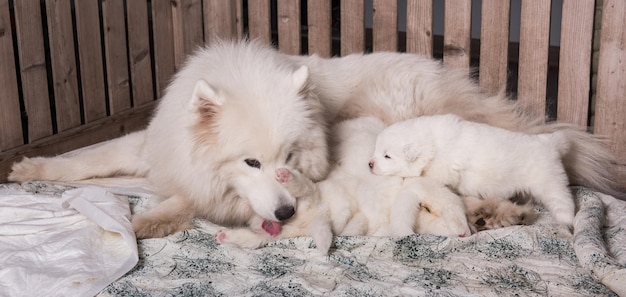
411	152
419	155
204	95
300	77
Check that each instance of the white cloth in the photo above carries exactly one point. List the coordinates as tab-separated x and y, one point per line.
69	244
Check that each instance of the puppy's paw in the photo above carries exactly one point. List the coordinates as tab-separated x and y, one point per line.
283	175
220	237
27	170
242	237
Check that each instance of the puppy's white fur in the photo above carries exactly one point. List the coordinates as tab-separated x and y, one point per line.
353	201
478	160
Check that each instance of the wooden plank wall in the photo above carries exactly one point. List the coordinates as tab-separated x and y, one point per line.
77	72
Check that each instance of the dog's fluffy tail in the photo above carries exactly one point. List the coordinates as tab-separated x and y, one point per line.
586	157
120	156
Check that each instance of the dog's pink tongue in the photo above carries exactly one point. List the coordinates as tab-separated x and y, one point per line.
271	227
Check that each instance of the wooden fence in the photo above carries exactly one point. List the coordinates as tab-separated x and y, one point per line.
76	72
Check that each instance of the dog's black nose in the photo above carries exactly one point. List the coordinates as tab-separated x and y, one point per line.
284	212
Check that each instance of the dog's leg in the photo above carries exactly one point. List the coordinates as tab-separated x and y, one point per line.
118	156
170	216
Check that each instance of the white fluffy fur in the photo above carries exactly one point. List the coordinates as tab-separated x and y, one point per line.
478	160
237	101
230	103
356	202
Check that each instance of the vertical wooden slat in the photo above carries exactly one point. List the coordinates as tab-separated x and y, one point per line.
610	117
259	21
456	39
352	26
187	28
115	55
319	27
385	27
575	61
419	27
288	12
63	61
220	20
90	53
494	45
10	122
139	51
533	55
29	27
239	19
162	29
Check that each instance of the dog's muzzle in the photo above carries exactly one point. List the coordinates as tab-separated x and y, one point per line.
284	212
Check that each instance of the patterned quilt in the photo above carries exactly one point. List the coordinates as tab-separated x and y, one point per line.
543	259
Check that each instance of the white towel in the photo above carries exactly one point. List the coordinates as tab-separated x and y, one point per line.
71	244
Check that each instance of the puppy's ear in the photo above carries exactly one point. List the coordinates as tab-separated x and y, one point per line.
300	77
411	152
204	96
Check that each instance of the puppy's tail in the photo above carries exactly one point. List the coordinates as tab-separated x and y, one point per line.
586	157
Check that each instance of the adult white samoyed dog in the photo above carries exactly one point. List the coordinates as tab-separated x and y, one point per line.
233	115
239	111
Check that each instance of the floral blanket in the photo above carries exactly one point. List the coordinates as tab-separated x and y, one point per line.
543	259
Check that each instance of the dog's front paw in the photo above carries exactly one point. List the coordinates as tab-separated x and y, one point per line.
27	170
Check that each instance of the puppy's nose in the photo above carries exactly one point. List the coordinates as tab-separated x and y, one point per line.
371	164
284	212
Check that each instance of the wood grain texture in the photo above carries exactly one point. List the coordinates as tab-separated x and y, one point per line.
288	15
221	20
533	55
494	45
575	61
259	21
385	27
118	79
63	63
319	27
456	39
352	26
29	29
163	44
610	118
419	27
10	121
139	59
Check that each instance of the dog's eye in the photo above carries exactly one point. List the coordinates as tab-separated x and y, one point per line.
387	157
289	157
253	163
480	222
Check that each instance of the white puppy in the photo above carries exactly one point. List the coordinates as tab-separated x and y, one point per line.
478	160
353	201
